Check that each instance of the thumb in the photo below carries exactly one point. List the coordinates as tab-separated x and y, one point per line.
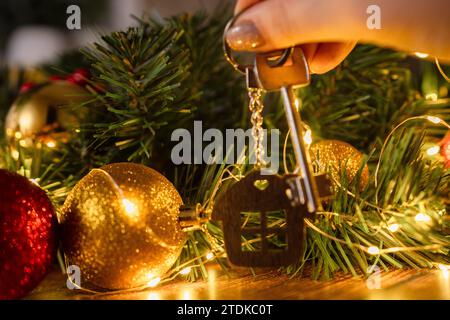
276	24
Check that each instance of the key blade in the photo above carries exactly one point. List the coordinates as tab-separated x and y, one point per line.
301	153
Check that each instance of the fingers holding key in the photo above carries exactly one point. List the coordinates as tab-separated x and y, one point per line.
275	24
335	26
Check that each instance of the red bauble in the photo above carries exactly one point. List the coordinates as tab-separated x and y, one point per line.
27	86
27	235
445	150
79	77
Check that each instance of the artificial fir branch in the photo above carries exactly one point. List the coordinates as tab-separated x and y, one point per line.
142	77
160	76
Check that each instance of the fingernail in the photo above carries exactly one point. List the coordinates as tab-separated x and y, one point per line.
244	36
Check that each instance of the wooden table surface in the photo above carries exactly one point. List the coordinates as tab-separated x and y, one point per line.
241	284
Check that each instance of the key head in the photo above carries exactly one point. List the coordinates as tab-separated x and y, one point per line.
292	71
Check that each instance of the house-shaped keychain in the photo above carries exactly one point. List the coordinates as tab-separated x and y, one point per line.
262	194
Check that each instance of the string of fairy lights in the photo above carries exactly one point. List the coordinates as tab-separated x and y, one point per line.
217	251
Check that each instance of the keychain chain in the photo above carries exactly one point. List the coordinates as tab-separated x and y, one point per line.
256	107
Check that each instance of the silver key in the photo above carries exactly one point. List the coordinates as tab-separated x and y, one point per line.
286	71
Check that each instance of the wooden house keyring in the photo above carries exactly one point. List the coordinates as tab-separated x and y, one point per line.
262	194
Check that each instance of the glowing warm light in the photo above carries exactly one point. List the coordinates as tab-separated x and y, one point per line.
18	135
154	282
23	143
373	250
308	137
431	96
186	294
210	256
434	119
153	296
51	144
26	121
443	267
185	271
130	208
422	217
445	270
394	227
212	283
421	55
433	150
15	154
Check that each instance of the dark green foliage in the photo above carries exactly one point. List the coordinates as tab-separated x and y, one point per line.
158	77
142	74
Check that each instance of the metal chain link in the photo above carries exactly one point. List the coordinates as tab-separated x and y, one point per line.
256	107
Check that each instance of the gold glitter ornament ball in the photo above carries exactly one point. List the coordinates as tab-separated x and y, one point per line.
45	116
120	226
335	156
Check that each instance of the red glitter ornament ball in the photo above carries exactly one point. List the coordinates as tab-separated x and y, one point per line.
27	235
445	150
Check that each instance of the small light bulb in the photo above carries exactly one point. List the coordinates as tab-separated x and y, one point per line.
308	137
154	282
433	150
431	96
443	266
15	154
445	270
394	227
373	250
434	119
185	271
153	296
210	256
51	144
186	294
422	217
421	55
130	207
18	135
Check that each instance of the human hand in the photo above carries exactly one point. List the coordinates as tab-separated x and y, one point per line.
260	19
328	29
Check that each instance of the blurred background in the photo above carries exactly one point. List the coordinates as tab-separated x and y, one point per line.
34	32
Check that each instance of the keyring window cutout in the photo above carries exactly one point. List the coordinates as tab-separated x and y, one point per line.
278	58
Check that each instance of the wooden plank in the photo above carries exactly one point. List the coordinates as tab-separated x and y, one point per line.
241	284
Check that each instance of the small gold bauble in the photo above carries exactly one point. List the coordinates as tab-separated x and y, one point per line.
44	117
120	226
336	156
